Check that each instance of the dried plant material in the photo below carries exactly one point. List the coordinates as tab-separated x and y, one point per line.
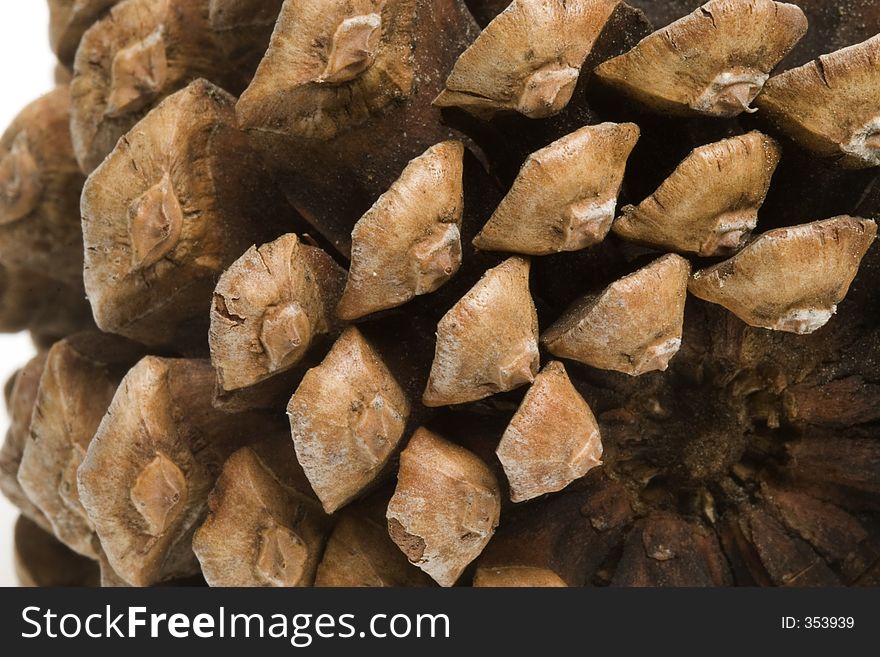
834	533
788	560
179	199
565	194
751	461
41	560
22	187
146	476
488	341
236	14
143	51
360	553
527	59
336	53
20	406
552	439
709	205
62	75
833	25
665	550
80	378
242	29
832	461
9	388
829	106
509	137
744	561
633	326
789	279
68	21
109	578
445	508
485	10
841	401
663	13
48	308
712	62
409	242
354	48
347	417
260	531
342	99
405	344
39	192
517	577
562	540
268	308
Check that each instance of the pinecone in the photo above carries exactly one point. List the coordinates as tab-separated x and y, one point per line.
587	297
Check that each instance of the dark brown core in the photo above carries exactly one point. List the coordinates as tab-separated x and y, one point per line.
20	184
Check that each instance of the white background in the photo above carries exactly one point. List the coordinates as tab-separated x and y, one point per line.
26	70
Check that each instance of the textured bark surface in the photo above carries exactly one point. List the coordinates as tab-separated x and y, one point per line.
559	541
445	508
270	307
